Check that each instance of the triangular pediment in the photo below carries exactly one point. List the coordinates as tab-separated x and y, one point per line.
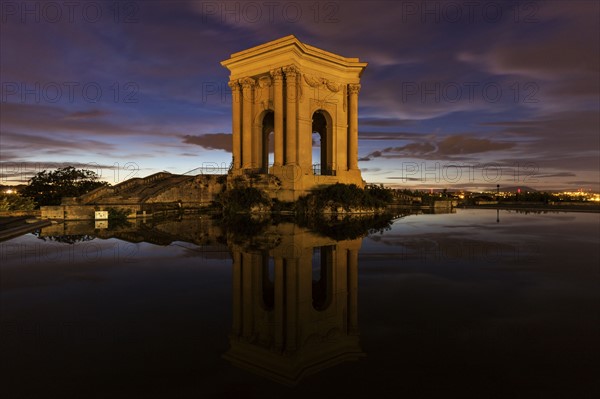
290	50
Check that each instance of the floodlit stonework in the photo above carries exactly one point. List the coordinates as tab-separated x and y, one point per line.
160	193
292	89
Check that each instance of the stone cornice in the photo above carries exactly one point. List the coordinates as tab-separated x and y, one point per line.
291	42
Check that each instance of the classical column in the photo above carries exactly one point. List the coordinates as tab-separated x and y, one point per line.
247	93
353	90
277	75
353	291
291	73
236	110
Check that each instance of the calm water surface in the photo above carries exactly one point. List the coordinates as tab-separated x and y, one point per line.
476	303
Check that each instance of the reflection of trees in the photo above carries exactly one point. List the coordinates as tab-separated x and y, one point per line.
531	211
349	227
65	239
118	224
248	230
244	228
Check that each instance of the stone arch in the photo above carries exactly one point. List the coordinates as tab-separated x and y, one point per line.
322	123
266	123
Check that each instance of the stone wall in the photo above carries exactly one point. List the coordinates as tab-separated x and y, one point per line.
52	212
173	195
33	213
84	212
198	192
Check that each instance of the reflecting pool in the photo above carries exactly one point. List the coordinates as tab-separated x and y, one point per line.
476	303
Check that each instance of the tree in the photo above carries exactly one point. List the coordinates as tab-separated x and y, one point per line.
14	202
48	188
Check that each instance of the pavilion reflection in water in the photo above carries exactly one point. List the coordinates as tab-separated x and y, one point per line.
294	304
294	291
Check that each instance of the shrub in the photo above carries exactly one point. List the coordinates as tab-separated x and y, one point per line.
14	202
346	196
380	193
242	199
115	214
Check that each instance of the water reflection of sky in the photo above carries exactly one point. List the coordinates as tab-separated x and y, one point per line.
476	237
447	303
511	304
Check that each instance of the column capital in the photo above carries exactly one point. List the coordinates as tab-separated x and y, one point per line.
354	88
233	85
247	83
291	71
276	74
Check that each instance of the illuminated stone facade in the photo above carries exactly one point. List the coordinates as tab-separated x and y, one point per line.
291	89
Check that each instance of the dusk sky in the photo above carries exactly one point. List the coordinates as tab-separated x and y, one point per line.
456	94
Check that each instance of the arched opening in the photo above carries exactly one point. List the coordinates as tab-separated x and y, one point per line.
268	126
322	135
322	279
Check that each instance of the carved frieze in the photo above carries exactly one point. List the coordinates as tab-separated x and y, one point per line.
266	105
317	82
264	81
